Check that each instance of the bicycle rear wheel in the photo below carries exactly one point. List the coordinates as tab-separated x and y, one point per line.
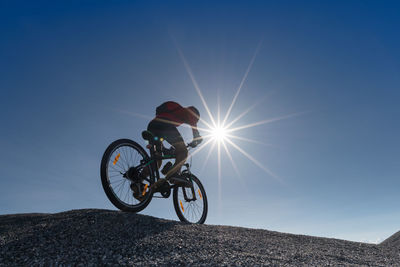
120	156
191	208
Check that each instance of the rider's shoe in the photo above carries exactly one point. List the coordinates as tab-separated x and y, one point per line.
138	191
166	168
138	188
179	180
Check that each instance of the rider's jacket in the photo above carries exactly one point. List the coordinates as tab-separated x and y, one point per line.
174	112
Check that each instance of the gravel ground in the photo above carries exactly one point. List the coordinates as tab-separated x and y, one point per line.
393	241
105	237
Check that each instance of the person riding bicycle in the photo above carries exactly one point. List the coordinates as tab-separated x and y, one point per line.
169	116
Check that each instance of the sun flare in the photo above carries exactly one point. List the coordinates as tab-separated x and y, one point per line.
219	133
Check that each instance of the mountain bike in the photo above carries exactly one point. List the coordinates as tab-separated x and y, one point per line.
122	164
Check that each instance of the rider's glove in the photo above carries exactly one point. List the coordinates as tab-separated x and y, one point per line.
196	138
196	141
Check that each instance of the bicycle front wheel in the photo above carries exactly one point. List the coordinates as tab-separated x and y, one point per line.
121	156
191	203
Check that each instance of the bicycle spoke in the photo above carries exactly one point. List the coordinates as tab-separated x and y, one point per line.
126	160
198	205
127	157
125	195
120	186
118	173
136	157
194	214
120	166
197	208
192	210
115	170
120	180
130	156
121	158
114	175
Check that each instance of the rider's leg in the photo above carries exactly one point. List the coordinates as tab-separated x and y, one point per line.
173	137
146	170
157	129
181	154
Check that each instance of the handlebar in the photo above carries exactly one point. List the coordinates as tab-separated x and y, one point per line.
191	145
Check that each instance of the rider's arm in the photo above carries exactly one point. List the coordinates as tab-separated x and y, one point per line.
192	121
197	139
195	132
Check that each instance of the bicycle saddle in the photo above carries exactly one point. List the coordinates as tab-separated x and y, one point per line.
147	135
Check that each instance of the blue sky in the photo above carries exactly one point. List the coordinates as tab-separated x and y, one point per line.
71	72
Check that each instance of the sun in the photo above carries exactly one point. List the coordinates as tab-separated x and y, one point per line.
219	133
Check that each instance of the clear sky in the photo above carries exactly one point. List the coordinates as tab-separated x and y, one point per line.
74	73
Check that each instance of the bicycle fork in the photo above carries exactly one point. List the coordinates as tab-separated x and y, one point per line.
187	165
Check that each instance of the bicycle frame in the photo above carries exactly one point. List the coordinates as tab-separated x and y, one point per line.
155	156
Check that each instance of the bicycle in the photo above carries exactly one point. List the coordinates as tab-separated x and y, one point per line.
121	166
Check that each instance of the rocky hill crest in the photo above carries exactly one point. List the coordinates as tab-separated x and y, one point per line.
99	237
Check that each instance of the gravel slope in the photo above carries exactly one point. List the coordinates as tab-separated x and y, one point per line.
94	237
392	241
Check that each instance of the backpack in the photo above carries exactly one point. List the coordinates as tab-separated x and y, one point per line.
167	107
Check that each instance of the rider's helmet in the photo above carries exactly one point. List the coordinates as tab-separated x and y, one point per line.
194	111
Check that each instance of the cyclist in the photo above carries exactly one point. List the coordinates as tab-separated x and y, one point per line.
169	116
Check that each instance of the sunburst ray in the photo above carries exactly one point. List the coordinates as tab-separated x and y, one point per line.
233	163
264	122
196	86
254	161
248	140
208	157
241	115
219	171
242	82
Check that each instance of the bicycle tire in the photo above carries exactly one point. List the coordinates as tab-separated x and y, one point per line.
179	205
105	177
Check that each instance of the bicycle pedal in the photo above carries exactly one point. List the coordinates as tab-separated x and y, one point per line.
180	181
166	168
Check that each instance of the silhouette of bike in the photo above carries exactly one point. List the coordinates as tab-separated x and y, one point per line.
120	169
